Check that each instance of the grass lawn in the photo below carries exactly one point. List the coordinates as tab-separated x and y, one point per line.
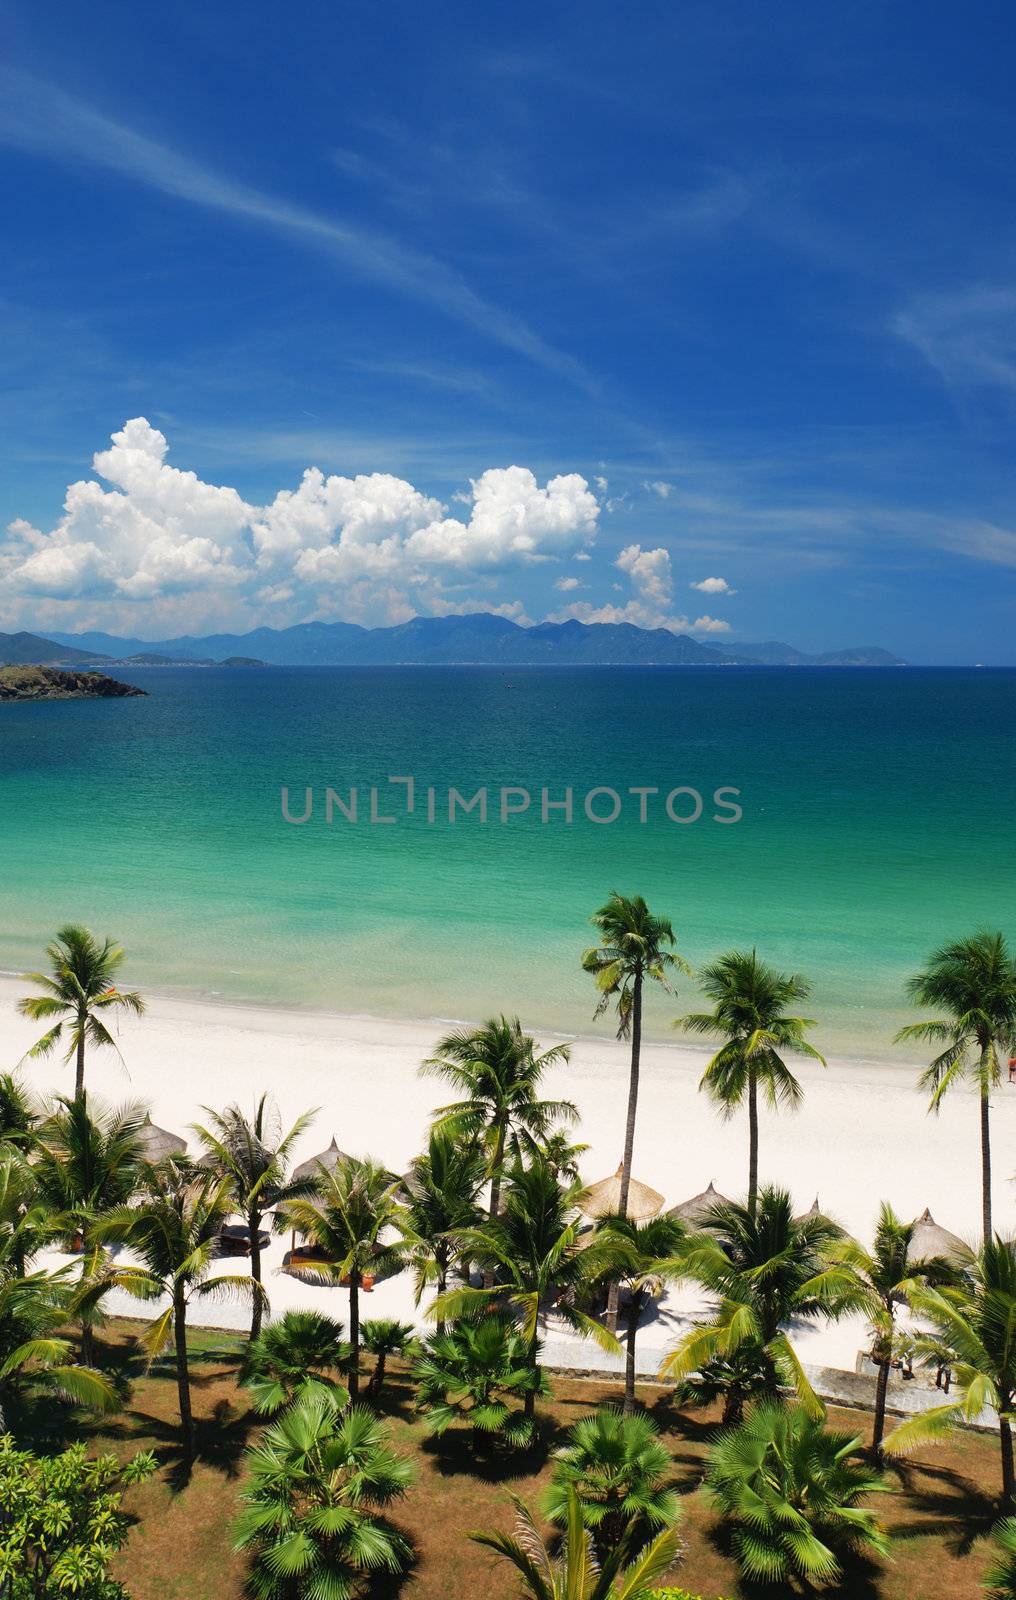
181	1546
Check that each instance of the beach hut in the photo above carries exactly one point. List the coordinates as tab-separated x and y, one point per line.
928	1239
603	1199
158	1143
814	1210
694	1211
329	1159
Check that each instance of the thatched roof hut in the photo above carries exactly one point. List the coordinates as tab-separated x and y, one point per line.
929	1239
329	1159
158	1143
694	1211
603	1199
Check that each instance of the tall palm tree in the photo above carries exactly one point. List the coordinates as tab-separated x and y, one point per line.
497	1071
441	1186
356	1221
574	1573
887	1275
974	983
252	1154
637	1256
975	1322
531	1247
636	947
173	1229
750	1015
79	990
765	1272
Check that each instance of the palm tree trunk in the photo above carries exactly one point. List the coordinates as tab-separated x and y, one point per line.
183	1374
529	1409
377	1377
354	1332
442	1286
985	1166
495	1189
629	1354
87	1345
1008	1474
633	1093
752	1137
79	1064
254	1229
881	1393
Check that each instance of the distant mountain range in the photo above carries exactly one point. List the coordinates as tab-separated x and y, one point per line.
480	639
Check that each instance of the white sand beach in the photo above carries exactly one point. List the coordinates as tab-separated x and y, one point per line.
862	1135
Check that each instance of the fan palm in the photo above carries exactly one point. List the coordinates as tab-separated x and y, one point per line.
497	1071
749	1013
173	1230
318	1480
441	1188
766	1271
974	983
531	1247
617	1466
574	1573
383	1337
636	1256
1000	1578
974	1321
789	1488
252	1154
303	1347
359	1226
476	1373
887	1275
78	992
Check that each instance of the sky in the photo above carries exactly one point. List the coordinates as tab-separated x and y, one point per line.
691	315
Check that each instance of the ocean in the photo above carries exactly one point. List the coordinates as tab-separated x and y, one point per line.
876	821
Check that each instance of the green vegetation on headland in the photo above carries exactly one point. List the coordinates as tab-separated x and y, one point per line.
49	683
353	1466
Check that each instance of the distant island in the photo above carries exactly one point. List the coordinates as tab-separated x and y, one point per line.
47	683
478	639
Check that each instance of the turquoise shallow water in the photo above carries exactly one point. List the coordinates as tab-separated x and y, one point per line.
877	820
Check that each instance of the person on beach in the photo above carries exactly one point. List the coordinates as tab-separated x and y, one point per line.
1012	1069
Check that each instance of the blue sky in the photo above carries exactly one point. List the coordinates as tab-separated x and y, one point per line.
732	288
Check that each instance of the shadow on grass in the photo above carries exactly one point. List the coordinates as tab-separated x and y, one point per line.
944	1505
462	1452
860	1577
220	1440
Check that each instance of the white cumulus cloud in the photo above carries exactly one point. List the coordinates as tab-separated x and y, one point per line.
713	586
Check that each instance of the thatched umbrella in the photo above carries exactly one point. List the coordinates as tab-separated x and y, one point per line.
928	1239
158	1143
603	1199
814	1210
329	1159
695	1210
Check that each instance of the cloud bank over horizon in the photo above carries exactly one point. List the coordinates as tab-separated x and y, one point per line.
160	547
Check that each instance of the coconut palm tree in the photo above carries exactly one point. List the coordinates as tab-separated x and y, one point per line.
312	1519
497	1071
765	1271
252	1154
19	1117
574	1573
636	1256
476	1373
974	1321
531	1248
561	1153
790	1490
303	1347
360	1228
383	1337
173	1230
974	983
887	1275
750	1002
637	947
441	1187
618	1467
79	991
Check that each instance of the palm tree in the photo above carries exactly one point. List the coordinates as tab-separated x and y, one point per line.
383	1337
636	947
531	1247
974	983
1000	1578
497	1071
318	1480
766	1271
618	1467
574	1573
975	1322
561	1153
351	1218
441	1188
750	1015
887	1275
475	1373
173	1229
636	1256
18	1115
252	1154
89	1160
789	1488
303	1347
80	988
